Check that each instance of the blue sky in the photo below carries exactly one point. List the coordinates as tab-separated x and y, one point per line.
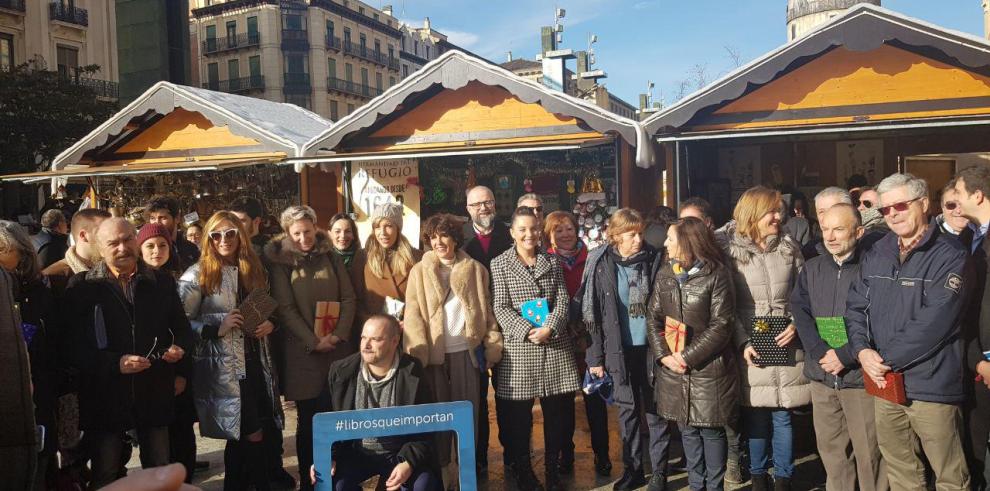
641	40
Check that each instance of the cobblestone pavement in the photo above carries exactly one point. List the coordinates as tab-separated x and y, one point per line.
808	476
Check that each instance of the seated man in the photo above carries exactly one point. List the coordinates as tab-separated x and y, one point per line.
381	376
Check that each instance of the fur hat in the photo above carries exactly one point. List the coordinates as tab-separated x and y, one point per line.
388	211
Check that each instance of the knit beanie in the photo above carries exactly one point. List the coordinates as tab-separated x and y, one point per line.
388	211
152	230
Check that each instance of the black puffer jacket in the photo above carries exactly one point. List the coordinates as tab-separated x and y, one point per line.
707	395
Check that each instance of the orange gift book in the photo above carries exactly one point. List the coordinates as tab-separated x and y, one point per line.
327	315
675	332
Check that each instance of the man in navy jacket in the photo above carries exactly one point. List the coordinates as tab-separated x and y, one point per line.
904	315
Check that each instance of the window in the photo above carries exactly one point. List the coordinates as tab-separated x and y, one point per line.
293	22
252	27
232	29
378	48
391	81
378	81
213	76
295	63
334	112
348	72
254	65
405	70
211	38
376	17
330	31
233	69
350	108
6	52
416	48
301	100
427	48
402	43
364	77
68	61
332	67
391	52
364	43
361	10
347	38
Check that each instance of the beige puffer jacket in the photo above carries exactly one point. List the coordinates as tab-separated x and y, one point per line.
763	281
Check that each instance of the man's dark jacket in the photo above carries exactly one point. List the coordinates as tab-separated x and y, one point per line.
108	399
912	312
184	254
411	388
50	246
501	241
821	291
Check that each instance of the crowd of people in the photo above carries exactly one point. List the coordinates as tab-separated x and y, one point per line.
128	338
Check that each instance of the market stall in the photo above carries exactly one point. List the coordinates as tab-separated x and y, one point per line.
203	147
870	93
461	121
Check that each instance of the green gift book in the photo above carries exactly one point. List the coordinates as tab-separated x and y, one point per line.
832	330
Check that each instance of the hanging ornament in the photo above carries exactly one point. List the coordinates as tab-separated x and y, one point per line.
503	182
592	183
528	185
570	186
472	176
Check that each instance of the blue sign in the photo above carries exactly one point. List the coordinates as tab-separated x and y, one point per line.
403	420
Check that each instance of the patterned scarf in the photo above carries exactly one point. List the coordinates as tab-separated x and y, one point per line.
639	282
568	258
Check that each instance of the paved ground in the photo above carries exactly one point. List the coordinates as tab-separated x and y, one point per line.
809	474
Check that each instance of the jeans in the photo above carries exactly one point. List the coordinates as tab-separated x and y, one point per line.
705	452
635	397
352	471
108	447
770	427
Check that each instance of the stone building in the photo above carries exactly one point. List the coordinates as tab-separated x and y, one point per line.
805	15
63	35
599	95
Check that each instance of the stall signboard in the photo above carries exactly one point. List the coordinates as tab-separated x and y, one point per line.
375	182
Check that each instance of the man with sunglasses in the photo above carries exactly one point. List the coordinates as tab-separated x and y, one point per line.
130	337
904	315
951	219
972	194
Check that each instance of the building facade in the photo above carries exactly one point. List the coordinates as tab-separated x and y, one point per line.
62	35
598	94
153	39
805	15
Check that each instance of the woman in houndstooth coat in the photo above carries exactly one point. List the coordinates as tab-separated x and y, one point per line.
536	362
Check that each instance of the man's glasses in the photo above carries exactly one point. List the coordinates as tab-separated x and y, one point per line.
228	234
899	207
486	204
867	203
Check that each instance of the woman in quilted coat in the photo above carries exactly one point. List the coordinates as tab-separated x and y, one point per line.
765	264
537	362
698	382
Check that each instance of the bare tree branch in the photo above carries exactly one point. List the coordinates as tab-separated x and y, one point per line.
733	54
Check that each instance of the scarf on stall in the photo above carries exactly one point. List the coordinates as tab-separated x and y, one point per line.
639	281
568	257
681	274
347	255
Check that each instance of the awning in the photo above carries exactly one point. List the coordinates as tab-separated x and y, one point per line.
143	168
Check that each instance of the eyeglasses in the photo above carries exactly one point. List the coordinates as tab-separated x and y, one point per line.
866	203
154	354
900	207
534	209
228	234
482	204
950	205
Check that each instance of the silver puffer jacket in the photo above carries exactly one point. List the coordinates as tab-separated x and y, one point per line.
218	364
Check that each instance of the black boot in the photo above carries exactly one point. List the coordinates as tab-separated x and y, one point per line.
603	465
524	477
566	463
234	467
631	479
761	482
781	484
658	482
258	470
552	475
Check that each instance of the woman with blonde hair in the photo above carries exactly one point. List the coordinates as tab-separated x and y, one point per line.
386	264
304	273
618	279
765	264
449	324
234	389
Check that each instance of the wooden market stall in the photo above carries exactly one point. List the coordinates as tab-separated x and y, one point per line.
203	147
870	93
461	121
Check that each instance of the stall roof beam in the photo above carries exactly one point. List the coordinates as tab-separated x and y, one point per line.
819	130
143	168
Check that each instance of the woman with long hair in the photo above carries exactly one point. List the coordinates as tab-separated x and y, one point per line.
235	389
538	359
305	273
765	263
388	258
18	257
697	382
449	325
617	286
560	228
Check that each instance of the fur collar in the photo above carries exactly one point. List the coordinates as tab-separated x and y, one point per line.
281	249
743	249
75	261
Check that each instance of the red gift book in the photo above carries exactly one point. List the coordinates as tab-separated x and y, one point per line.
327	315
894	390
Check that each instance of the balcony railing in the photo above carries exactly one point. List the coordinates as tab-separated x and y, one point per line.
236	85
353	88
295	39
17	5
243	40
333	43
103	88
68	13
376	57
297	83
393	63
